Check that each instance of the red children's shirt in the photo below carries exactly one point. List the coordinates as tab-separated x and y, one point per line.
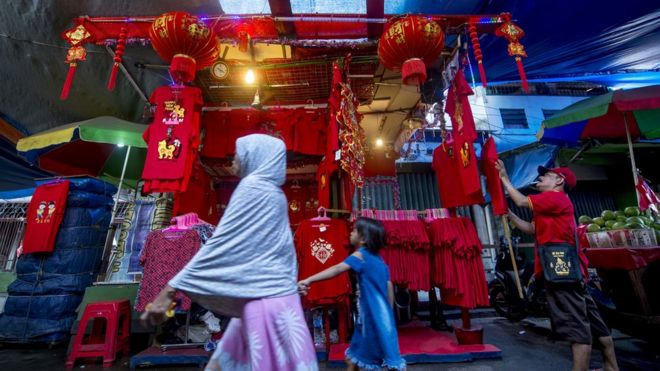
174	135
44	216
216	142
467	165
488	159
310	130
445	166
554	223
280	124
200	197
320	245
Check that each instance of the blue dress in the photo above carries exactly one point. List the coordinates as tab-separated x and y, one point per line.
375	343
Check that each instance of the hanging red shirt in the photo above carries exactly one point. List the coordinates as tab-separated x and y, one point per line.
445	166
172	138
458	107
468	167
216	142
200	197
320	245
323	176
310	133
296	197
488	160
44	216
280	123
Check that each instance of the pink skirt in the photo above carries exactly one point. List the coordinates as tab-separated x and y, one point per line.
271	335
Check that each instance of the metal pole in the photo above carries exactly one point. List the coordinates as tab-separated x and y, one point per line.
632	155
507	235
121	181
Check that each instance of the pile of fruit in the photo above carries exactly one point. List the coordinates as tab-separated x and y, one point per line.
629	218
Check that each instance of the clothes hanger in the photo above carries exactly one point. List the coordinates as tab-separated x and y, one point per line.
322	216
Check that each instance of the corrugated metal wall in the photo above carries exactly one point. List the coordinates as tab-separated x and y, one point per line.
419	191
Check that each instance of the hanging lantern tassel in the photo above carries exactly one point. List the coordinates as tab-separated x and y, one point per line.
521	72
68	82
119	52
75	53
513	34
76	37
476	46
244	32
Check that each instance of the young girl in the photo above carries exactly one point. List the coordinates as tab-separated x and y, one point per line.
375	343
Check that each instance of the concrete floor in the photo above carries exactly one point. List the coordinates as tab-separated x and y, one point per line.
525	346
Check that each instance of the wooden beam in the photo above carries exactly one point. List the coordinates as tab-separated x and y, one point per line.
282	8
375	9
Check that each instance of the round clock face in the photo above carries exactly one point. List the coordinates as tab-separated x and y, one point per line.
219	70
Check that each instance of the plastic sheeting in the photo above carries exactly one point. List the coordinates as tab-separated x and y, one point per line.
42	301
522	167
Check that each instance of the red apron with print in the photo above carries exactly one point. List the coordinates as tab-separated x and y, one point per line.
44	216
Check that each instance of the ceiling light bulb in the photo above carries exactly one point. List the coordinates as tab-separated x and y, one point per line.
250	77
379	142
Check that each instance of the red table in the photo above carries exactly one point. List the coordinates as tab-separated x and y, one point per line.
622	258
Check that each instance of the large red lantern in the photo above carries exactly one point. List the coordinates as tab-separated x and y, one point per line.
185	42
409	44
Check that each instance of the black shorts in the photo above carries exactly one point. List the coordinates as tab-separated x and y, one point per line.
573	313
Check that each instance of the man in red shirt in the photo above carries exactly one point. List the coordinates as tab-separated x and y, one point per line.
573	313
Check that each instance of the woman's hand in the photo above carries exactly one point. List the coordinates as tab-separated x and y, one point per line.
156	312
303	287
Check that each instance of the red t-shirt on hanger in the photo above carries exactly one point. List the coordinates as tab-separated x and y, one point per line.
320	245
44	216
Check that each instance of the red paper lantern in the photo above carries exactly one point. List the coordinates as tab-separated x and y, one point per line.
409	44
178	37
244	31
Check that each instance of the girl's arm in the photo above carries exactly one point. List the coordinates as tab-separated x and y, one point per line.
331	272
334	271
390	293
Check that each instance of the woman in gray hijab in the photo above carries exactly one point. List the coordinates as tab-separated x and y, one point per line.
247	270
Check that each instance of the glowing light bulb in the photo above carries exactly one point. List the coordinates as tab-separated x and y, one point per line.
250	77
379	142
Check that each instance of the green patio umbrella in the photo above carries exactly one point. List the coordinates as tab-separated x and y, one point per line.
104	147
619	116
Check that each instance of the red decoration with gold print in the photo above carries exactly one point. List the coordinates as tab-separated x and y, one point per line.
76	37
178	35
513	34
409	44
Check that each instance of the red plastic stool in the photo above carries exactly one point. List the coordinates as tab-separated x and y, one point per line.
117	315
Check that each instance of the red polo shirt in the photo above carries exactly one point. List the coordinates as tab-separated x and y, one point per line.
554	223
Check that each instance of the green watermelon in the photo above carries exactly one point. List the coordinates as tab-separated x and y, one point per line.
621	218
593	227
619	213
610	223
584	219
656	226
632	211
599	220
608	215
634	226
635	220
619	225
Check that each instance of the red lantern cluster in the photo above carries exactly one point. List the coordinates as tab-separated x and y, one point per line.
119	53
478	55
185	42
409	44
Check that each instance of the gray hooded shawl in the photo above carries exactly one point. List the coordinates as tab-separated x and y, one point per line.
251	253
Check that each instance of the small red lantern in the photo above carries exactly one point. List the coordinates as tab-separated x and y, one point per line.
409	44
76	37
185	42
476	47
244	31
513	34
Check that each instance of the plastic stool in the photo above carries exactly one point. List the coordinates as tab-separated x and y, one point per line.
117	315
